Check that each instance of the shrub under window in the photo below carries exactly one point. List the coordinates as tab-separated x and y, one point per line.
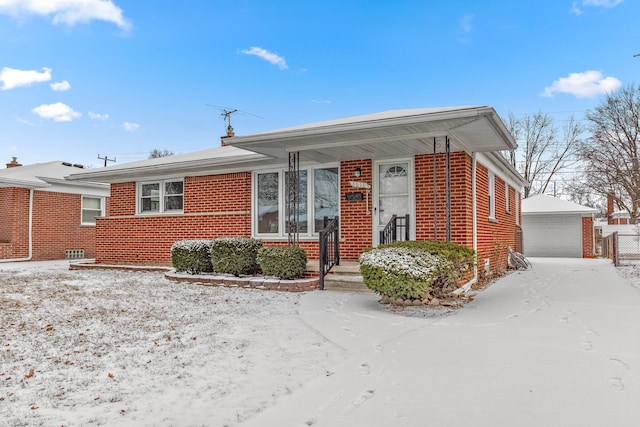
192	256
284	262
235	255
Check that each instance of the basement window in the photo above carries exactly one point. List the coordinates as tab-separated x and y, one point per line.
165	196
92	207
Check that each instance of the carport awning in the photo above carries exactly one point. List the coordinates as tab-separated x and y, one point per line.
388	134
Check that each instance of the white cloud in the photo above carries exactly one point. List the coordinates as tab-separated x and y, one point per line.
583	85
131	127
270	57
98	116
576	10
57	112
465	23
67	12
60	86
602	3
321	101
11	77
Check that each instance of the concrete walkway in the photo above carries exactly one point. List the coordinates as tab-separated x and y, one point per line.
558	345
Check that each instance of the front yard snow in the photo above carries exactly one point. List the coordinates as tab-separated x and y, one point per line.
109	348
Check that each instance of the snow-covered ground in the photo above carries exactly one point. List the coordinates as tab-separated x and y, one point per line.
555	345
122	348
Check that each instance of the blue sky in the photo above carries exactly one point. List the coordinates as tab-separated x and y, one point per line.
82	78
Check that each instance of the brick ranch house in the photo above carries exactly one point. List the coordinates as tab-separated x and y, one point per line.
45	217
439	166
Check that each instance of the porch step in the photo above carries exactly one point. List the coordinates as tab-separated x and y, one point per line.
345	282
345	277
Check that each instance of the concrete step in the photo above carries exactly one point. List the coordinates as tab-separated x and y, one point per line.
345	282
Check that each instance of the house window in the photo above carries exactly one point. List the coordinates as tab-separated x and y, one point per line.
319	194
161	196
506	198
492	196
326	195
91	208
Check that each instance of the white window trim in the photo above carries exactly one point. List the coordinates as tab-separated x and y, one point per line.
161	210
102	208
506	198
282	233
492	196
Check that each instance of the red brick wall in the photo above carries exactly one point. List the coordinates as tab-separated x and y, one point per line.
214	206
55	224
220	206
461	202
14	221
494	235
356	226
587	237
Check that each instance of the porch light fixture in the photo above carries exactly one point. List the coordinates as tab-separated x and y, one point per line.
357	172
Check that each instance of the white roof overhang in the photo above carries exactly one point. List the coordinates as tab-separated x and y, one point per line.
389	134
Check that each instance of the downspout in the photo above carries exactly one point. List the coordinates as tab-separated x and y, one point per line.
28	258
474	229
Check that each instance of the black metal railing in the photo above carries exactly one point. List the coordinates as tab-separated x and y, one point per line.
396	229
329	247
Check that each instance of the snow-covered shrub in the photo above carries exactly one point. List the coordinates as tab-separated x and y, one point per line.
461	257
192	256
401	272
235	255
284	262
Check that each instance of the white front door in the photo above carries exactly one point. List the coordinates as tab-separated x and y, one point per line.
392	195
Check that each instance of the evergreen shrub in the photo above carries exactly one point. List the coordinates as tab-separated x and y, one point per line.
235	255
192	256
284	262
405	273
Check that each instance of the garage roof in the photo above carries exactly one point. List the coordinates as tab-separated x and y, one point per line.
543	204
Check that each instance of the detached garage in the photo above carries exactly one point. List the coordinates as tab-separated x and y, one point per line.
552	227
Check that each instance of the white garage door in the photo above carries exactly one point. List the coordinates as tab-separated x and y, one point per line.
552	235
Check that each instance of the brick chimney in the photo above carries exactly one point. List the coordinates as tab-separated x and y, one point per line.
229	134
610	207
14	163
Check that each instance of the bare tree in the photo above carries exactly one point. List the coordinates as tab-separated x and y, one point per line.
611	154
155	153
542	154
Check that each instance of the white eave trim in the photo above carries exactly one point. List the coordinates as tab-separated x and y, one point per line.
181	168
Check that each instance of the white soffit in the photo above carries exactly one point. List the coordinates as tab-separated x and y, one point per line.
388	134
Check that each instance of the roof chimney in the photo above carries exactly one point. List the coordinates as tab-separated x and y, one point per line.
610	207
14	163
229	134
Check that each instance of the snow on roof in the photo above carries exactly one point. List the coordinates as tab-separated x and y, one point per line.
543	204
196	162
372	117
37	175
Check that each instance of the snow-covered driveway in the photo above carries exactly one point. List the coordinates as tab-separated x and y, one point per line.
558	345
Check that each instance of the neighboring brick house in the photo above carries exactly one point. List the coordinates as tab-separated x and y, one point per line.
362	169
616	217
45	217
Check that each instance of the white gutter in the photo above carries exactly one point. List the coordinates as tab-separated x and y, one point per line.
474	227
28	258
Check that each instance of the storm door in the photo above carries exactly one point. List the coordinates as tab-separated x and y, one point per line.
393	195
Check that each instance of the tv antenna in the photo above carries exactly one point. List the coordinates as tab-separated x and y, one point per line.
226	113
